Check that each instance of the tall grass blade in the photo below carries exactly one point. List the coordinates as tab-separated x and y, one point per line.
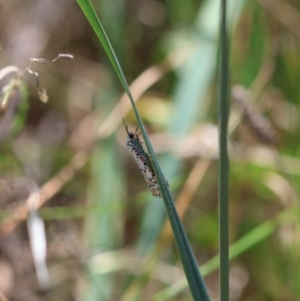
189	262
223	172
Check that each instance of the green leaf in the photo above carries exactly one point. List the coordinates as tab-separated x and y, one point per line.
189	262
223	172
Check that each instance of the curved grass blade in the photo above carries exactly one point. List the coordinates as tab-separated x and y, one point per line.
189	262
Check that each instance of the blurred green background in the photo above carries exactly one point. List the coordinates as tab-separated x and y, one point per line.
106	238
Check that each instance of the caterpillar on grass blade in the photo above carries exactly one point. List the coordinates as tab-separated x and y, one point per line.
142	159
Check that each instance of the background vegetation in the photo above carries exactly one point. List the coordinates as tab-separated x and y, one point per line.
106	238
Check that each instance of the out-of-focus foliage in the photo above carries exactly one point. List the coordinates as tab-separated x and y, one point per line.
94	198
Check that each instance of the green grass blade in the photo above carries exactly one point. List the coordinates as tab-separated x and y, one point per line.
223	173
189	262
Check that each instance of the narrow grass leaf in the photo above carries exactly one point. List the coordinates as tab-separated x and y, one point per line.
189	262
223	172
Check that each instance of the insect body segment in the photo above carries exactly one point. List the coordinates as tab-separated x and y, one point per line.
135	147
